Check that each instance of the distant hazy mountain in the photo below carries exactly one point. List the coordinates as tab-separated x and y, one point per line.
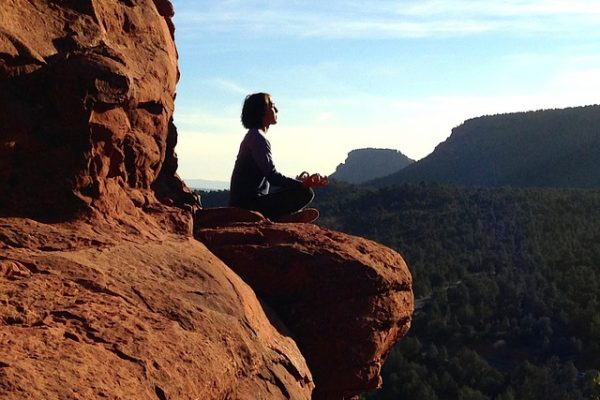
553	148
365	164
204	184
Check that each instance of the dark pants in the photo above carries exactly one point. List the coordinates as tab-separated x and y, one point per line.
285	201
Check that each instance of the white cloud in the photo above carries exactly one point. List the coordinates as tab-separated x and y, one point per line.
381	19
323	114
506	8
227	85
583	84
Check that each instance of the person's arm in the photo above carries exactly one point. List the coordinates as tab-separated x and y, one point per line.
261	153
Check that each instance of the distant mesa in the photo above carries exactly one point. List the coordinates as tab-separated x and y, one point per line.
546	148
363	165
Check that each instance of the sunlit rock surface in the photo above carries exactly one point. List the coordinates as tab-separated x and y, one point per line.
345	299
94	311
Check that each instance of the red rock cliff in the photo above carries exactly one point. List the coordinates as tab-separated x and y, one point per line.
86	103
104	291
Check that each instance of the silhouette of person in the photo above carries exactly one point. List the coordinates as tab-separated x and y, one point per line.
255	176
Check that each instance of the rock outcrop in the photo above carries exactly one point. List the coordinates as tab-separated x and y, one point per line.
86	103
104	291
96	311
363	165
346	299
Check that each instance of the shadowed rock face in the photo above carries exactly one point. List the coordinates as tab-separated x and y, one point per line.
345	299
86	102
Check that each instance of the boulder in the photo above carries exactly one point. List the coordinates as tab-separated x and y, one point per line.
92	311
345	299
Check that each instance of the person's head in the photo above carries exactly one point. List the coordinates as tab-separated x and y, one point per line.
259	111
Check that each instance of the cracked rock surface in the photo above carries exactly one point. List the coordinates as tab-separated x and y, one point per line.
104	290
87	90
345	299
90	311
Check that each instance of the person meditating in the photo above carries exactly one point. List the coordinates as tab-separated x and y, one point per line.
255	176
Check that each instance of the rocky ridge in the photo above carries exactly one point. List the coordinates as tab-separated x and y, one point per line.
544	148
363	165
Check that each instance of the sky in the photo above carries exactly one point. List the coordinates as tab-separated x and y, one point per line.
349	74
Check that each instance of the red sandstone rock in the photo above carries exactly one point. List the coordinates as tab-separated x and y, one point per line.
110	297
86	102
346	300
91	312
113	299
223	216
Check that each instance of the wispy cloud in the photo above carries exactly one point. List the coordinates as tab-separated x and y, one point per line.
227	85
386	18
506	8
194	119
335	96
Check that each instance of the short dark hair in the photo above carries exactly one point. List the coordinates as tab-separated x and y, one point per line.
255	107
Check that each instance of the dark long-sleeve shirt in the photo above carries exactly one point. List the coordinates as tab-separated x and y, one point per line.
254	171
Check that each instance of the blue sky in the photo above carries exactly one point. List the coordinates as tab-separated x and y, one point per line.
389	74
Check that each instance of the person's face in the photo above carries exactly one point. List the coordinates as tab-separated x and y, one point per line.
270	117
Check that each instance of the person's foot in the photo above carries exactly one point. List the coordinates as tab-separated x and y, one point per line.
307	215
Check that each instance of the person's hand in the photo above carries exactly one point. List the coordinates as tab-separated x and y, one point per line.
313	180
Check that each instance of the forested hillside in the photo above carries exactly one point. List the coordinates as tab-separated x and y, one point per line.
507	282
548	148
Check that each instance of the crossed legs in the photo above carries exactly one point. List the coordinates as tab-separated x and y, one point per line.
286	201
